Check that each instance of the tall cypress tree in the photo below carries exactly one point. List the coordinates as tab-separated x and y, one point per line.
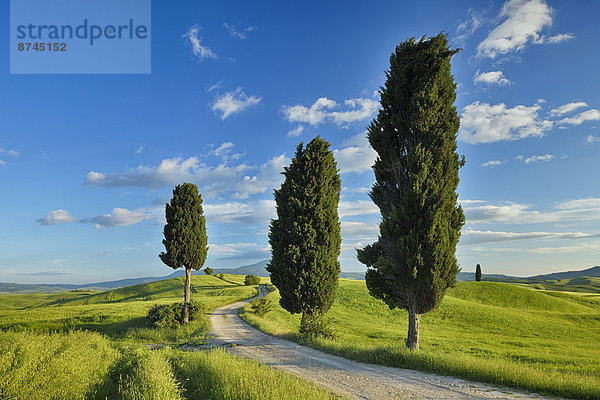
185	236
478	273
416	178
305	238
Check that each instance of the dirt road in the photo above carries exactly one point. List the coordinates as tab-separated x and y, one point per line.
347	378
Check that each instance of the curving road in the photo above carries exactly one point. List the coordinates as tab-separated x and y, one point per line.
350	379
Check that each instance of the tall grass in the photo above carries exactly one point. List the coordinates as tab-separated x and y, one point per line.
140	374
55	366
490	332
217	375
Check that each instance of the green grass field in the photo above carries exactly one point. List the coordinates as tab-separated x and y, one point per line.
504	334
97	346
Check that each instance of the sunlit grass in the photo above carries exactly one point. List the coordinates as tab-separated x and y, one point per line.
99	346
491	332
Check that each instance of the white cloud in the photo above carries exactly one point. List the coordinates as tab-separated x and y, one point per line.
234	102
491	78
296	131
195	42
524	21
593	139
366	230
567	108
354	208
577	210
321	111
56	217
470	236
236	33
214	86
562	37
493	163
485	123
223	149
589	115
259	212
545	157
223	178
120	217
139	150
355	159
9	153
229	249
467	28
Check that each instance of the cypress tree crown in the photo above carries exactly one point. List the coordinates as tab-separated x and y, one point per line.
413	261
305	238
185	231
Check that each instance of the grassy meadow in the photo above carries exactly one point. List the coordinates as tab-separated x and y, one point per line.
543	341
80	345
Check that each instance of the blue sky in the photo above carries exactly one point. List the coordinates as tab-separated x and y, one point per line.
88	161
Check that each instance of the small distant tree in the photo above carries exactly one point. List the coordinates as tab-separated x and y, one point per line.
413	262
220	275
478	273
305	238
208	271
185	236
250	280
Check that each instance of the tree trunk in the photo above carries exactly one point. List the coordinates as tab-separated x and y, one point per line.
186	296
414	324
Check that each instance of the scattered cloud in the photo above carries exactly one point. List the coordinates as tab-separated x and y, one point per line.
46	273
545	157
567	108
139	150
322	110
8	153
593	139
233	102
589	115
563	37
195	43
368	231
465	29
493	163
214	86
355	208
355	159
223	178
259	212
491	78
577	210
485	123
120	217
523	23
224	151
296	131
238	33
56	217
101	253
470	236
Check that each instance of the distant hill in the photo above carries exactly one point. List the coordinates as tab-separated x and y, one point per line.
593	272
258	269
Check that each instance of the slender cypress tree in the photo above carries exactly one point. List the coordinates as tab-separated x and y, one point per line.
305	238
478	273
416	178
185	236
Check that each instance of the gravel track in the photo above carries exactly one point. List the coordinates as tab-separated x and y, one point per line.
347	378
